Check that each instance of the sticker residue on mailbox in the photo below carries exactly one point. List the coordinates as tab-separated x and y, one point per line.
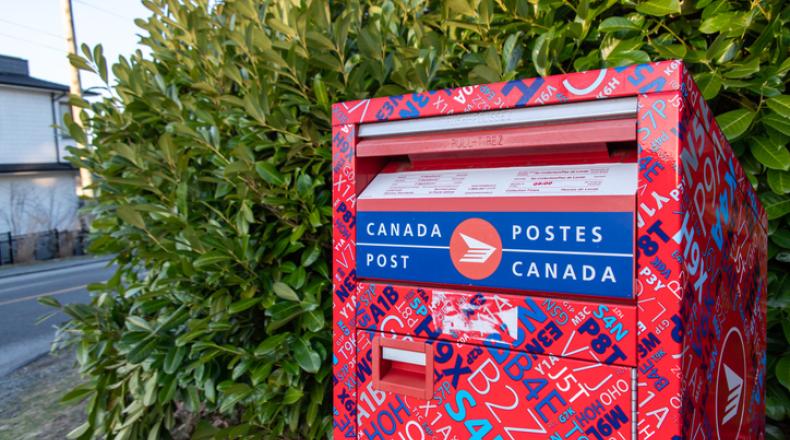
453	312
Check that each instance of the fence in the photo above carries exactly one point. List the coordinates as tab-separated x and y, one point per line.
41	246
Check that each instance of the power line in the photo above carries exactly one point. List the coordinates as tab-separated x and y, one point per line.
100	9
59	37
33	42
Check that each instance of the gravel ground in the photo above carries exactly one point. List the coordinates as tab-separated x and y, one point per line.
30	405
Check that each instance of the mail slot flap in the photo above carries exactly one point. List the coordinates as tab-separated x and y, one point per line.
589	137
566	229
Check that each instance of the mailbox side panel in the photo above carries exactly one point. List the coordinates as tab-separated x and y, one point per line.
659	272
344	282
725	252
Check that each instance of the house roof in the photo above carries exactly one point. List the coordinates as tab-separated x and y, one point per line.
29	81
16	72
6	168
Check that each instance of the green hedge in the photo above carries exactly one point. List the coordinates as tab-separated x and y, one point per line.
212	165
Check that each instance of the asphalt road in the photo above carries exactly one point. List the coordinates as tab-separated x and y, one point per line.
21	339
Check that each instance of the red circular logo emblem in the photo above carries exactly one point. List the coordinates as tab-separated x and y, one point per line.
731	386
475	248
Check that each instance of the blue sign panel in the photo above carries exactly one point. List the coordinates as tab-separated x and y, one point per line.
588	253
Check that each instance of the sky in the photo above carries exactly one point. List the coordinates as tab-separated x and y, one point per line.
33	30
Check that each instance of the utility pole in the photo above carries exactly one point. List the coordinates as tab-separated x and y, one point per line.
76	89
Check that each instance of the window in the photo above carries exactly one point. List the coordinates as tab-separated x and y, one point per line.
63	108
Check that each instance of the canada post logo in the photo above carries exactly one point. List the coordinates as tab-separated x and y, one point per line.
589	253
476	249
730	381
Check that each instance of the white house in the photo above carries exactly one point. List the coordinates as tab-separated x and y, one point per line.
37	185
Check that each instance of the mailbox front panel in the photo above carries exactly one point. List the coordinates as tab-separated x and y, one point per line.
491	393
350	175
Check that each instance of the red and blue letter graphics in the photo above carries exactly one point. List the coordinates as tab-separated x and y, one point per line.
614	299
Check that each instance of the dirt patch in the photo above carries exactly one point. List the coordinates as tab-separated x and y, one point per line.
30	405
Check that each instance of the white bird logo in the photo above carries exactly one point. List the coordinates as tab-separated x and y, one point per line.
735	385
477	251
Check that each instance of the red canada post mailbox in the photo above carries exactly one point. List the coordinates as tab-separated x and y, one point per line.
573	257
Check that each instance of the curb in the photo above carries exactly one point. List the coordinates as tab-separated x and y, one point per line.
37	268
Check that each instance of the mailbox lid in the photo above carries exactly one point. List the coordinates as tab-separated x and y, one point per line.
485	392
589	331
560	229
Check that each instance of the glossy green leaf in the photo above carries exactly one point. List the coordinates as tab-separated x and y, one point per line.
130	215
775	206
142	350
49	301
709	84
540	53
783	371
614	24
314	321
779	181
777	404
735	123
777	122
80	63
781	238
284	291
240	306
269	173
780	104
310	256
292	396
743	70
283	313
270	344
770	153
79	431
78	393
659	8
722	50
173	359
715	23
307	359
210	258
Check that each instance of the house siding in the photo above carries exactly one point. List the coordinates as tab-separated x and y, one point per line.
26	133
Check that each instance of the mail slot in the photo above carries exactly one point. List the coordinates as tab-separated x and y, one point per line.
575	256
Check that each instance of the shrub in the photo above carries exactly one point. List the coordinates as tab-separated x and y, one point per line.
212	155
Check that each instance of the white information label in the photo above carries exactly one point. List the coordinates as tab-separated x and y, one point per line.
538	181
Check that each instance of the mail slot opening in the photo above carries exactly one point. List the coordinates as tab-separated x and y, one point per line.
405	373
403	367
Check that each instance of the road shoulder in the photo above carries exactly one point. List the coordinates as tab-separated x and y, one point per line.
50	265
30	405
